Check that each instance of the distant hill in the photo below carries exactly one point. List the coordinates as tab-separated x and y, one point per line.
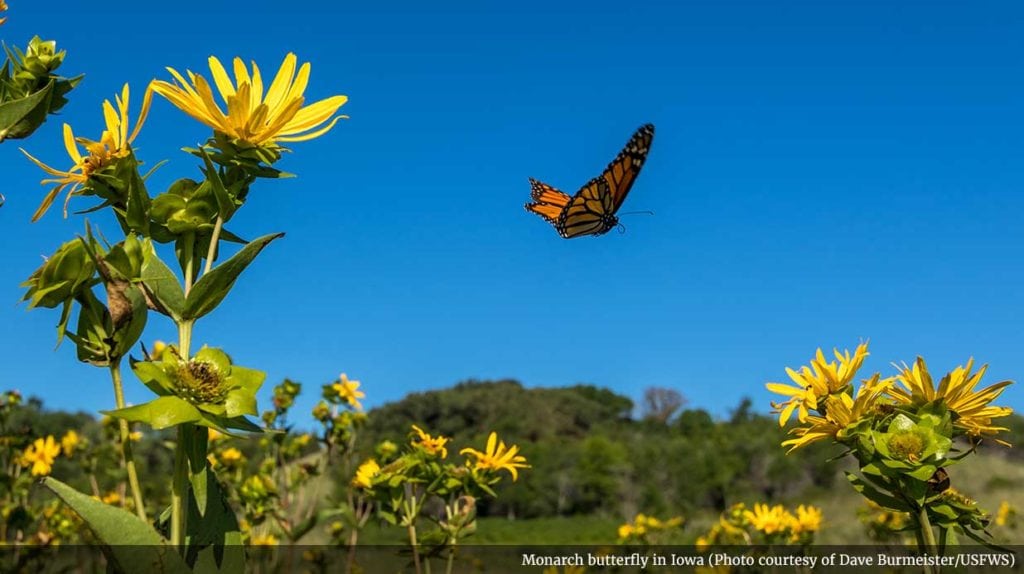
591	456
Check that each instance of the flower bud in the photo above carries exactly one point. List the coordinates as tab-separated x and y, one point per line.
60	277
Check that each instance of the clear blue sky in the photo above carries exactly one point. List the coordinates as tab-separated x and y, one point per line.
823	172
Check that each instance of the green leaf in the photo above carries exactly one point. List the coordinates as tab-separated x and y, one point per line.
212	287
19	118
159	413
137	210
874	495
161	285
239	423
214	538
153	376
240	404
196	446
226	205
129	544
923	472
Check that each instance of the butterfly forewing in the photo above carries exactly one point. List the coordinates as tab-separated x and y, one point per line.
622	171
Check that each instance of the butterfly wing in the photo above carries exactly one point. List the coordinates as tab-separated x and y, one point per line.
548	202
622	171
589	213
592	210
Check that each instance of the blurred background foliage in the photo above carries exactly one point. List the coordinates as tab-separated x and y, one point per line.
597	459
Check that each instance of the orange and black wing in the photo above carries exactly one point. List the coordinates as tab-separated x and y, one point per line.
622	171
592	210
589	213
548	202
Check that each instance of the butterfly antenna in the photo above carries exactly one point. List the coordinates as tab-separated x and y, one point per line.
637	212
621	228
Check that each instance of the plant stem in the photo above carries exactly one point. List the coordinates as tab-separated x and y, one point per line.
126	442
211	253
95	485
415	548
179	489
926	542
179	480
411	511
189	257
451	557
185	339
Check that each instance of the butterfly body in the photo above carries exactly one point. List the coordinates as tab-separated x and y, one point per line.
592	210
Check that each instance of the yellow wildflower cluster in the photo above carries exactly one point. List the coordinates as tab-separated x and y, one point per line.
763	524
825	388
643	527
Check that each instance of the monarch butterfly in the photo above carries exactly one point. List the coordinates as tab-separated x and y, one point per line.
592	210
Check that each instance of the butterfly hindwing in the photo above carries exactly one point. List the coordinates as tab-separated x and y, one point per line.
592	210
548	201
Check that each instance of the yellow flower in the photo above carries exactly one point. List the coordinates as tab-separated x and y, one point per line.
365	474
674	522
807	519
837	376
252	116
625	531
1006	515
231	456
3	8
158	349
816	382
41	454
135	436
263	540
346	389
69	442
841	411
111	498
702	543
971	408
433	445
213	435
114	143
497	457
767	519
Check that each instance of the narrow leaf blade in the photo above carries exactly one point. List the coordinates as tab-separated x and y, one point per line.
211	288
